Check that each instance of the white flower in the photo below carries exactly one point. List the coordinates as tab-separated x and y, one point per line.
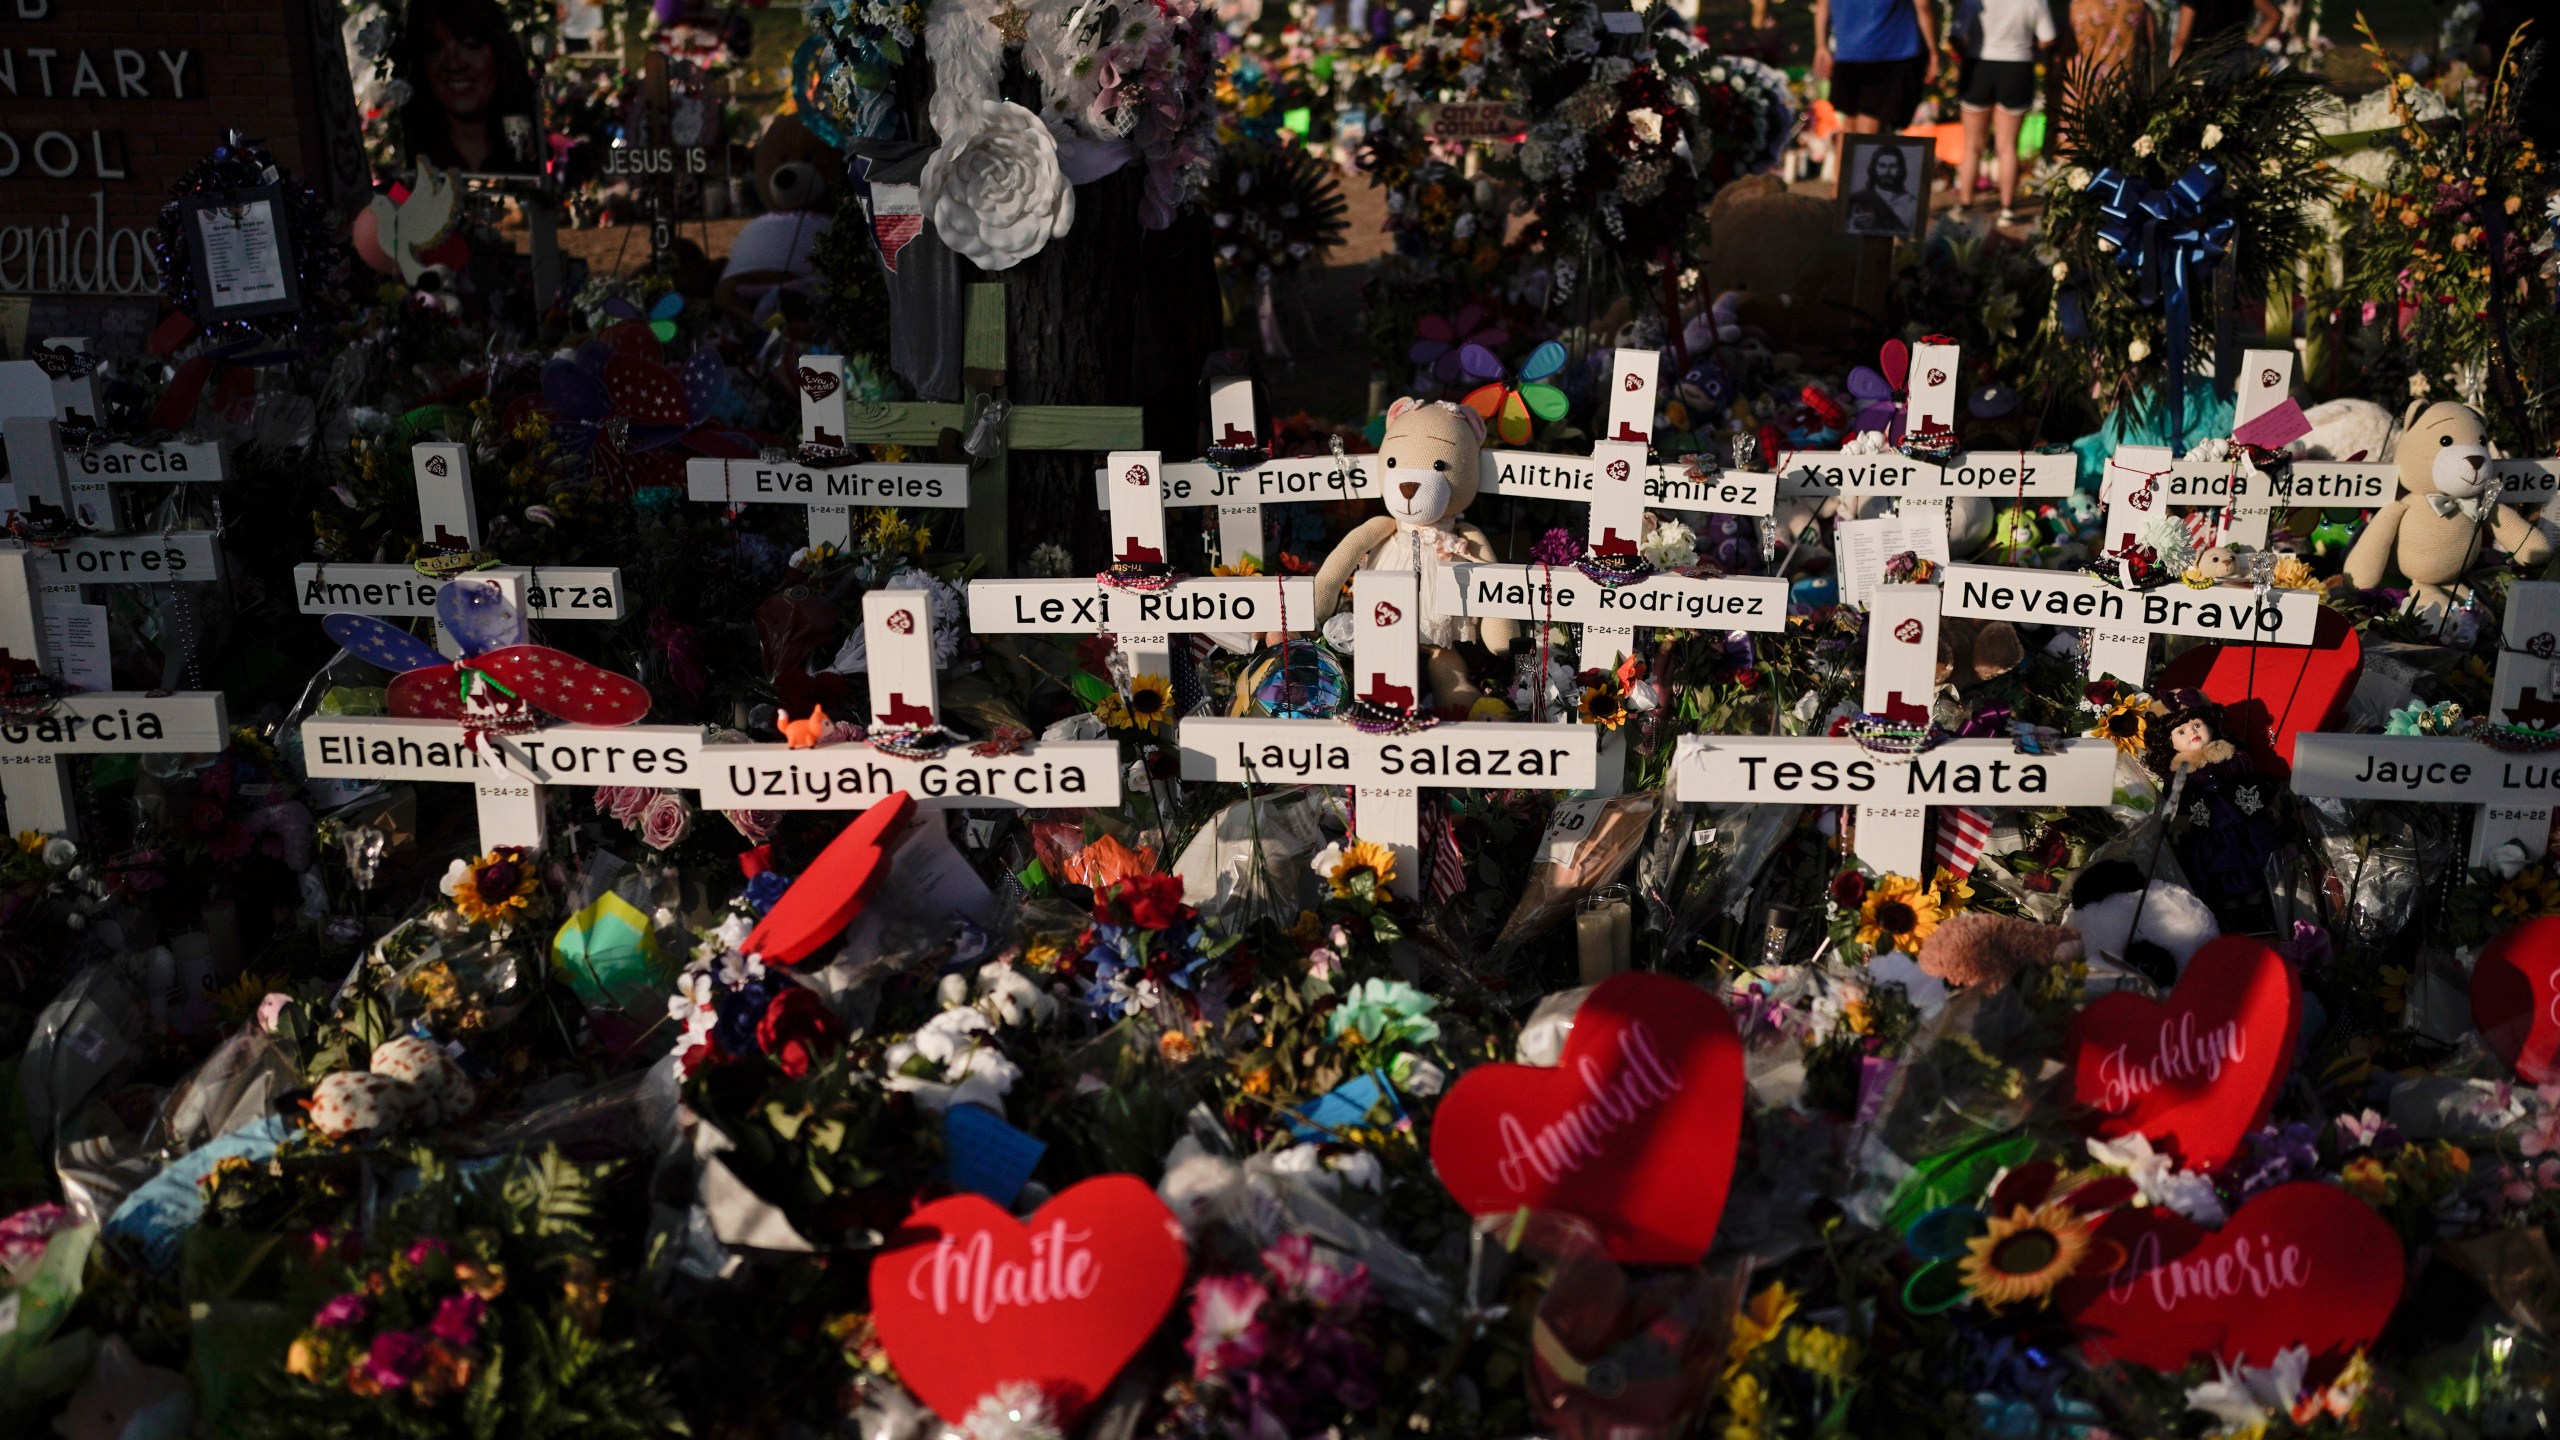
1415	1075
1012	997
59	854
2212	136
2144	146
1016	1410
1647	123
1360	1169
995	191
2247	1396
2138	351
2158	1180
1327	860
1304	1159
1867	442
1671	546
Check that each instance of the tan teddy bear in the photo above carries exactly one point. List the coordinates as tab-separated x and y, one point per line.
1428	463
2446	515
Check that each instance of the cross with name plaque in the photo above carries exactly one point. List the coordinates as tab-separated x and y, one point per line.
908	749
830	493
2122	622
449	519
1628	420
43	720
1385	747
1892	789
1147	613
2517	789
2145	482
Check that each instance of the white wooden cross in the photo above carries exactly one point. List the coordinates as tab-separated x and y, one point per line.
449	519
898	636
830	494
2517	792
1934	393
1145	621
1627	420
35	785
1892	793
2145	482
388	747
1388	772
2122	622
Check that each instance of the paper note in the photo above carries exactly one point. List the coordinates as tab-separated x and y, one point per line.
988	1156
75	641
1861	547
242	263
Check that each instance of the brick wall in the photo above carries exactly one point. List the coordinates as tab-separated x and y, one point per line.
248	64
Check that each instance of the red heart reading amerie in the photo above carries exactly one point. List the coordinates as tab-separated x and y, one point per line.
2271	693
2197	1072
1634	1131
972	1298
2303	1264
2515	998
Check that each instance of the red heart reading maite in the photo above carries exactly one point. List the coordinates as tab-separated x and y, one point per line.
2515	998
2271	693
2194	1074
2303	1264
1634	1131
972	1298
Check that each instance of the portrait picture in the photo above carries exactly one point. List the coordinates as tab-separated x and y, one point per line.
1884	184
472	102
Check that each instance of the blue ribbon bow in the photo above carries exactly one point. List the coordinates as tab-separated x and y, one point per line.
2169	242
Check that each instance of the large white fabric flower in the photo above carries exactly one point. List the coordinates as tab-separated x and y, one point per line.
994	189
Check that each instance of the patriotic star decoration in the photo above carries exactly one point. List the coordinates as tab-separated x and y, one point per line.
498	684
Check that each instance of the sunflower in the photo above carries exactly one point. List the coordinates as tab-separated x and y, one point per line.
1353	859
1149	706
2534	892
2127	722
1602	706
1955	891
2024	1256
2292	572
1899	912
495	889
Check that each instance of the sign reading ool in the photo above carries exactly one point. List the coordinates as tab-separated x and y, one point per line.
943	773
830	493
1388	765
1892	791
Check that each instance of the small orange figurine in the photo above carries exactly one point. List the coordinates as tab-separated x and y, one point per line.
803	734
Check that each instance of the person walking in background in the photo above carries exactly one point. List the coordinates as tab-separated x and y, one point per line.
1996	43
2098	38
2200	21
1879	55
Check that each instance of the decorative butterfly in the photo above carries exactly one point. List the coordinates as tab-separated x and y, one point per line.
1883	390
419	222
1506	407
498	684
1444	336
661	316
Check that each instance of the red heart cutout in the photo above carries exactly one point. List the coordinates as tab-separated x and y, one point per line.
1635	1131
2299	1265
645	392
818	384
827	895
2274	691
2515	998
973	1298
2197	1072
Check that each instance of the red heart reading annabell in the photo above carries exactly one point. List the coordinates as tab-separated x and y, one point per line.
1634	1131
2271	693
972	1298
2194	1073
2303	1264
2515	998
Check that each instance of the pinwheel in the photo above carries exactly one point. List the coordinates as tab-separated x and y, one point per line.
1444	336
619	405
661	317
1507	406
498	684
1882	390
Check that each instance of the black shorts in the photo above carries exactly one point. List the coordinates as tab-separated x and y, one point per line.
1888	90
2009	84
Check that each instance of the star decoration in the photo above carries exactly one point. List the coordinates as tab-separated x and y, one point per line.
1012	22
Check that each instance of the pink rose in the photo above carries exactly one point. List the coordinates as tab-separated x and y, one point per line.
756	825
667	820
625	803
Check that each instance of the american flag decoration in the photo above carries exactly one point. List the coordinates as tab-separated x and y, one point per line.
1963	831
2205	527
494	686
1448	867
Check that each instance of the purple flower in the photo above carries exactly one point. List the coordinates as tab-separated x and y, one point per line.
1557	547
1227	1332
2309	948
346	1310
457	1321
396	1358
2279	1155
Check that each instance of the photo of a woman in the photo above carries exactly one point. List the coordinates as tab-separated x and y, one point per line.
472	105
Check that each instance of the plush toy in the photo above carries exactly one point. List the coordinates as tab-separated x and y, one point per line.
2446	515
1428	461
795	173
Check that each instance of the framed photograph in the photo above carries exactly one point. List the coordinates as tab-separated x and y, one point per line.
1884	184
242	248
474	103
